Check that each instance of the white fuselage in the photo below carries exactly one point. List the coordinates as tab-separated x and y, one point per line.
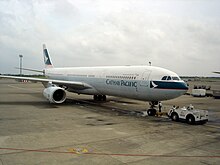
136	82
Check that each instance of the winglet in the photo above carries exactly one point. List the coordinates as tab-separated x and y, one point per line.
47	60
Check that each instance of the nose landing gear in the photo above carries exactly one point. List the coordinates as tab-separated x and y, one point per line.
152	110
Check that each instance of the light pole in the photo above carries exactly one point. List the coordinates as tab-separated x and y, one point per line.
21	56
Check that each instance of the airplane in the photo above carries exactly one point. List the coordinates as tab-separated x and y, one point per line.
146	83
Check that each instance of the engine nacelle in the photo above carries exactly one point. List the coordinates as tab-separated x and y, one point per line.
55	94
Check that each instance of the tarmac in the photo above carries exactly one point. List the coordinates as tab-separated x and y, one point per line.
81	131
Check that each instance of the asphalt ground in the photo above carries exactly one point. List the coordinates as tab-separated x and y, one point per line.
81	131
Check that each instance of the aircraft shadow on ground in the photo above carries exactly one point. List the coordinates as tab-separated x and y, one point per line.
39	104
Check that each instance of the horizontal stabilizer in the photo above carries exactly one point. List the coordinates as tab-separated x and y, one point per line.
32	70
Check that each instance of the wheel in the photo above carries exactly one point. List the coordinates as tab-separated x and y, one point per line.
151	112
104	97
174	116
99	97
190	119
95	97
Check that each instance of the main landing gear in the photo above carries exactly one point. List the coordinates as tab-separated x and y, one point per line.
152	110
99	97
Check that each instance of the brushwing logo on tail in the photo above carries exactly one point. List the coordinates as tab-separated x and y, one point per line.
47	60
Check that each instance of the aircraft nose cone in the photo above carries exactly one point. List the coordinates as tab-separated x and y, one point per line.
184	87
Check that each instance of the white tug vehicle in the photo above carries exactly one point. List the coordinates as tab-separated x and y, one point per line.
188	114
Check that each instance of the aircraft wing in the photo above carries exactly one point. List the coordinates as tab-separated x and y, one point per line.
217	72
72	84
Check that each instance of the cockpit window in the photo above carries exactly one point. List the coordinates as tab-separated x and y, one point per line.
164	78
168	78
176	78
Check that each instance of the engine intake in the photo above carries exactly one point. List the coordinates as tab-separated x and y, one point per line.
55	94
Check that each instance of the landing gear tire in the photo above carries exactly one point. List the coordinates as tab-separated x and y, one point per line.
190	119
151	112
174	116
95	97
104	97
99	97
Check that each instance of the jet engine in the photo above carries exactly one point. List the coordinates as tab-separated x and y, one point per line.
55	94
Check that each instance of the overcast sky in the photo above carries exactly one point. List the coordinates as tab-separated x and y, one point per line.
179	35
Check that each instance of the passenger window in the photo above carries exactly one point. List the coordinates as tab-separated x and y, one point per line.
164	78
168	78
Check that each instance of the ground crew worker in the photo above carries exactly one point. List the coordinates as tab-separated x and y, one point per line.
160	106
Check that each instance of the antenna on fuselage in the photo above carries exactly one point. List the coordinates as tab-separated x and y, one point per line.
149	63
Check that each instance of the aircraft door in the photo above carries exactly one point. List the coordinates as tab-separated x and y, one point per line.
144	78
